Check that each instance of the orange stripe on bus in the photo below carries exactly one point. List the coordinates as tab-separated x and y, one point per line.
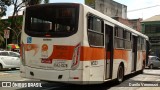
86	53
62	52
121	54
89	53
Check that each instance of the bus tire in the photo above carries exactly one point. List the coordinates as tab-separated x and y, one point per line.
1	67
120	74
151	66
143	67
13	68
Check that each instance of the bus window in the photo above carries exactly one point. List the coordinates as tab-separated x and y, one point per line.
40	25
119	42
56	21
95	31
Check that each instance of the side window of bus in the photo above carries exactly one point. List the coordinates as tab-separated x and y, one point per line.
119	41
95	24
127	40
143	44
95	31
139	43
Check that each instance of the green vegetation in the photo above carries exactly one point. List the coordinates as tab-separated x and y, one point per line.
14	21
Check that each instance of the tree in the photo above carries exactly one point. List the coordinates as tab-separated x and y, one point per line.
3	24
1	37
18	5
34	2
14	22
3	7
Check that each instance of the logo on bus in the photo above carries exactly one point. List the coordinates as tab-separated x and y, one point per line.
29	39
44	51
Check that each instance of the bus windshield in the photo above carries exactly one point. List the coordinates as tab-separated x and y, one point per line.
53	20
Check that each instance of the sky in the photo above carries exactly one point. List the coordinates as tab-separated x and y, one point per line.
152	7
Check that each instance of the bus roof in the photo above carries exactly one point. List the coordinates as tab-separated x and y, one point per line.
105	17
111	20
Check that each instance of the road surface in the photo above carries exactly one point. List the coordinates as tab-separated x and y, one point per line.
131	82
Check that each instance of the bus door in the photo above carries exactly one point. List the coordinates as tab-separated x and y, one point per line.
109	51
134	53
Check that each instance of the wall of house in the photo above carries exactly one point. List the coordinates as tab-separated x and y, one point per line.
152	30
108	7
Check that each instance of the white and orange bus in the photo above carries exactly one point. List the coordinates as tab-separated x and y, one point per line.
65	42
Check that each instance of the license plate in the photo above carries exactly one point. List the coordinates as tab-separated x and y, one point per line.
60	64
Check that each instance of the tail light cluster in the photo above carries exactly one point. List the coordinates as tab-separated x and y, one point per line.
76	57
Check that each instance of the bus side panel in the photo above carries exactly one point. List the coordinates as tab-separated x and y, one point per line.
97	72
86	64
93	58
93	64
116	63
129	63
140	59
124	56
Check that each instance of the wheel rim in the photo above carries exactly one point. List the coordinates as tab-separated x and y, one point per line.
151	66
120	74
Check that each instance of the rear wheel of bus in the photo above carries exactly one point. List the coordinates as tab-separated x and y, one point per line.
120	74
143	67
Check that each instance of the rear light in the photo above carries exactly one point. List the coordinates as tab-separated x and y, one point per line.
75	77
76	57
48	35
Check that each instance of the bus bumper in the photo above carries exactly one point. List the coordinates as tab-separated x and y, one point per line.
66	76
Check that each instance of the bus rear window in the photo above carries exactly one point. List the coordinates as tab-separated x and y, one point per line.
54	20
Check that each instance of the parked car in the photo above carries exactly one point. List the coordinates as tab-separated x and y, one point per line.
153	62
9	59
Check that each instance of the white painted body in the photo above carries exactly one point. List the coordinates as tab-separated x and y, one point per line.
86	73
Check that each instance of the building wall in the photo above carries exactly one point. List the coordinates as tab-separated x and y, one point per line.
115	10
152	30
108	7
136	24
124	21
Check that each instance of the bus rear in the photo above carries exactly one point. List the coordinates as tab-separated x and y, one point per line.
51	43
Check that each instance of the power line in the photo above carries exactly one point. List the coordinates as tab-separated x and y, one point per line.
143	8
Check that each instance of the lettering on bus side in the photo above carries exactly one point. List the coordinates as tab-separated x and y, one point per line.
93	63
61	47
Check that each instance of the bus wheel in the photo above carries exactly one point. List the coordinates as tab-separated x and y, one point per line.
1	67
143	67
120	74
151	66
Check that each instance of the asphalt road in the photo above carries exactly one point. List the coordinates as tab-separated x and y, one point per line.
148	77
